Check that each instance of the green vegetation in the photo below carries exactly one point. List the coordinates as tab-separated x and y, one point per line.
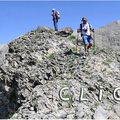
51	56
24	37
72	38
97	104
74	49
95	49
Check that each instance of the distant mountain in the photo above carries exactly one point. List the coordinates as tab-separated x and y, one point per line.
109	36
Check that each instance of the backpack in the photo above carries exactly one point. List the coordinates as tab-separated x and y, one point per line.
81	28
57	14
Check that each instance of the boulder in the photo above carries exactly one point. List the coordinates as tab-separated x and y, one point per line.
65	32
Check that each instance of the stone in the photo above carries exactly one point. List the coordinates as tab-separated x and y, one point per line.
100	113
7	88
65	32
39	57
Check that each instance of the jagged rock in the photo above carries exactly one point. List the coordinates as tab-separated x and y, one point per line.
44	29
65	32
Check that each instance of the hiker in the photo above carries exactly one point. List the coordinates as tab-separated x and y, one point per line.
56	17
86	29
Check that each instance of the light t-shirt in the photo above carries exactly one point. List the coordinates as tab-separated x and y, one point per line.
86	27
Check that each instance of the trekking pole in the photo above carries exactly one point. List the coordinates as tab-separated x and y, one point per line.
77	41
94	47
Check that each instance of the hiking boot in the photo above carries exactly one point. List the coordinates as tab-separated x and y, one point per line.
86	54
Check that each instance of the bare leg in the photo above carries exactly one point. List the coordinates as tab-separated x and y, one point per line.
89	46
86	49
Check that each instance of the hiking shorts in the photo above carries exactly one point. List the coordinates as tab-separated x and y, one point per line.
87	39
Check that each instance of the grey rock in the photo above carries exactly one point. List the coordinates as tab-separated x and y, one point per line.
100	113
65	32
36	67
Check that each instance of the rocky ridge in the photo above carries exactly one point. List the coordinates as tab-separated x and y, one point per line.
39	64
109	36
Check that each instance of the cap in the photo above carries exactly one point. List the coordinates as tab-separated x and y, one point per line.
84	19
53	9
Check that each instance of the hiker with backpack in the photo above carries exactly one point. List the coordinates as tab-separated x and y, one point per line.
56	17
86	29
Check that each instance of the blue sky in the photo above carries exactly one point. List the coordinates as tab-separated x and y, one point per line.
18	18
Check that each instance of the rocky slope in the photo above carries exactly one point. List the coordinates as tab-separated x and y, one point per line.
39	64
109	36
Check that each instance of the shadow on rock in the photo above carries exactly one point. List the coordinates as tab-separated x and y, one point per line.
70	52
8	98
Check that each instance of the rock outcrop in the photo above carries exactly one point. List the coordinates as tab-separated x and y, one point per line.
39	64
65	32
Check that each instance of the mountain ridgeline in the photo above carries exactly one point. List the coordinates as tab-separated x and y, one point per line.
38	65
109	36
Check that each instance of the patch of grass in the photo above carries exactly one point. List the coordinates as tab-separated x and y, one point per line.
97	104
24	37
95	49
72	38
32	33
51	56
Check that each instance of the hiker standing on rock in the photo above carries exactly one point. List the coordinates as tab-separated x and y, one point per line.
86	29
56	17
